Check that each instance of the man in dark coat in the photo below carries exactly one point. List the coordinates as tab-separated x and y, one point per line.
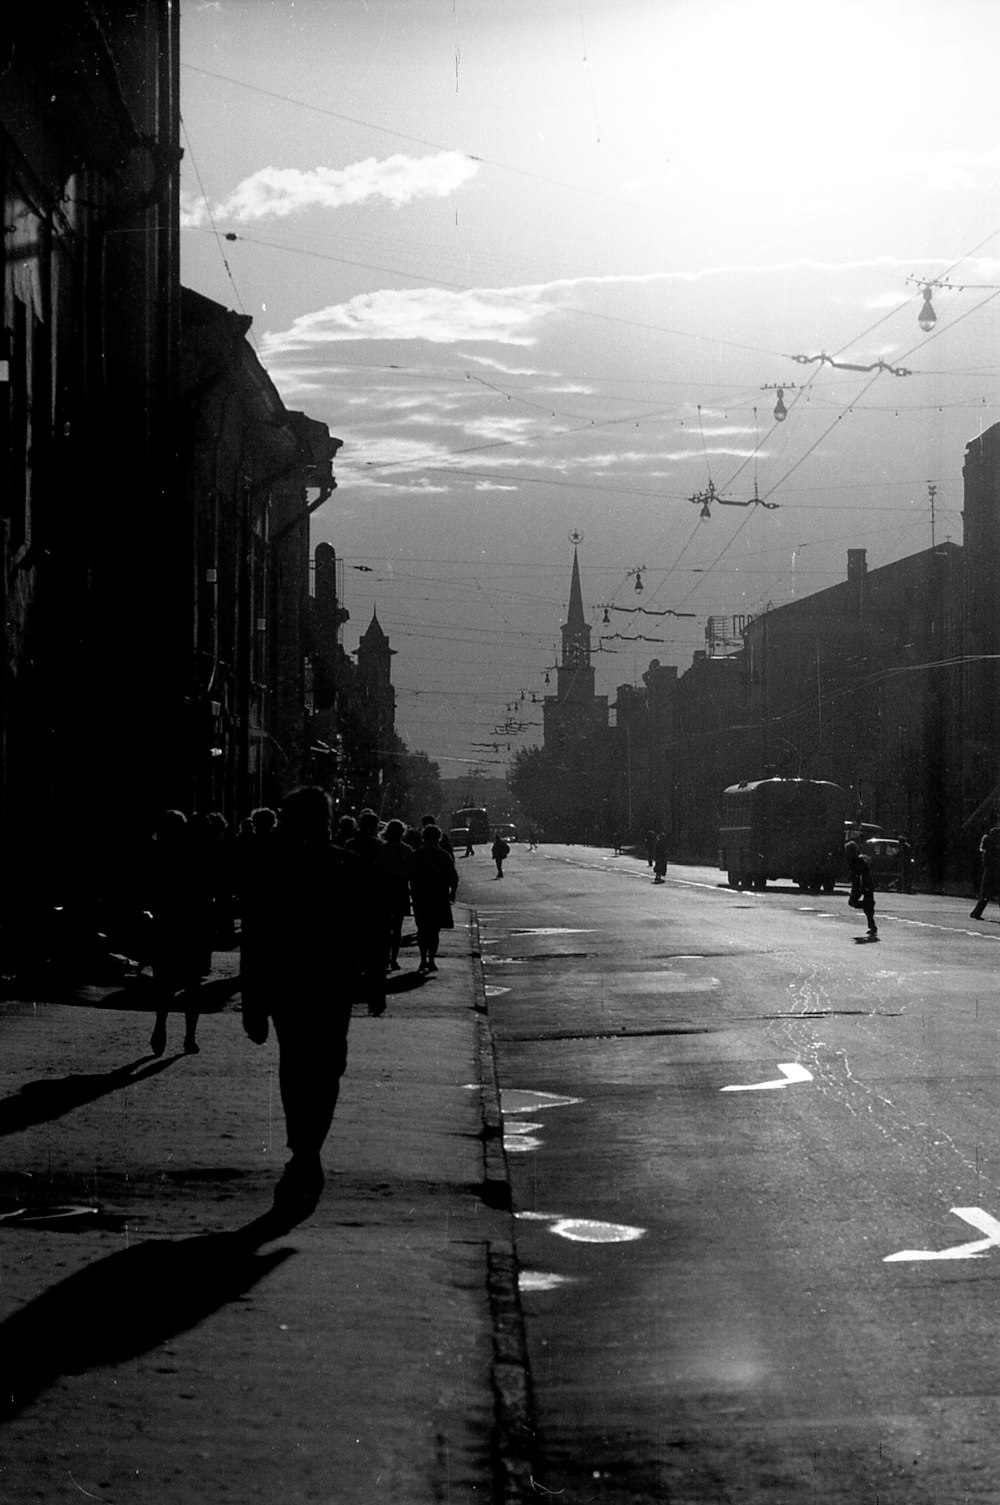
660	857
313	944
989	878
862	895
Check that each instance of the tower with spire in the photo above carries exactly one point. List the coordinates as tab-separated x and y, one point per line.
574	712
374	676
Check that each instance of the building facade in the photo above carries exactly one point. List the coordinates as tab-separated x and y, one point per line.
252	471
89	533
981	615
154	512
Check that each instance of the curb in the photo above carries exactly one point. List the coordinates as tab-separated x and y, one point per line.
514	1432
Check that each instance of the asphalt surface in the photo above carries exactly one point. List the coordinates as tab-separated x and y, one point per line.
757	1186
160	1343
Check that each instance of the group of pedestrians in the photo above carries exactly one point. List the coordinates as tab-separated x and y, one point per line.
414	873
322	914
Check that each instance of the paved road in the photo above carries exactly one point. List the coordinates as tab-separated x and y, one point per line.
741	1143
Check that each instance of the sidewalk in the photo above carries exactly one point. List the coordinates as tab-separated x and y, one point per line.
157	1351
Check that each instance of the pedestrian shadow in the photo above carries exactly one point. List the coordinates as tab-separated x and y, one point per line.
49	1098
405	982
126	1305
143	995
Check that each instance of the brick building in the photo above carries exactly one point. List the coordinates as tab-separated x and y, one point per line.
980	767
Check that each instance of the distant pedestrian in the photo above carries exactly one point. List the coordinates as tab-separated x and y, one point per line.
433	885
500	850
989	877
862	895
618	842
532	840
312	946
179	894
660	857
470	850
650	846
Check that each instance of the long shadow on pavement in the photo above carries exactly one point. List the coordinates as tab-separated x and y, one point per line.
38	1102
405	982
142	995
127	1304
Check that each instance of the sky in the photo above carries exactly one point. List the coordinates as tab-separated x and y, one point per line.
544	266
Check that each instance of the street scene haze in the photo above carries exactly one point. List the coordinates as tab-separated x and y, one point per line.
500	752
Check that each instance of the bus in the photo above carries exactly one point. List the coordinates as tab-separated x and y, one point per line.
477	820
783	828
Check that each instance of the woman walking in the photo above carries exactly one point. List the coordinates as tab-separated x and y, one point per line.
433	884
397	866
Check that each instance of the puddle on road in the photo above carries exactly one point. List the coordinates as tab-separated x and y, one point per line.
70	1217
585	1230
494	991
506	961
522	1100
541	1280
588	1231
519	1137
552	930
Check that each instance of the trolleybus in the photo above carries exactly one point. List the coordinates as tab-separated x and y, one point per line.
783	828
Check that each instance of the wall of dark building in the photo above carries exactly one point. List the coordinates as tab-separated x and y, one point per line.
981	614
861	684
89	539
253	471
154	538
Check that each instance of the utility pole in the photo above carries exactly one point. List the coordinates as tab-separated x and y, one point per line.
932	493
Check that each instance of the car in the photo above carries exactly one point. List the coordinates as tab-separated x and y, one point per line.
459	837
507	832
891	862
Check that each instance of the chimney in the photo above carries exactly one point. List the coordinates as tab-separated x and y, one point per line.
857	568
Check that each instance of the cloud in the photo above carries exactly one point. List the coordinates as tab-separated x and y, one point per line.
505	316
276	192
509	315
500	428
505	370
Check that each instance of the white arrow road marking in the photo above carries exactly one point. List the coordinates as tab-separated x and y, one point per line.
979	1219
793	1072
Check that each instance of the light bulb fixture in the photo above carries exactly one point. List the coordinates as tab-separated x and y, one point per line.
927	318
638	582
606	619
780	411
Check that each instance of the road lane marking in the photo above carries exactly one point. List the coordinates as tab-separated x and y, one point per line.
791	1072
979	1219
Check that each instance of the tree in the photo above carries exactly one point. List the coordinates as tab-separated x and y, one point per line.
422	778
564	790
